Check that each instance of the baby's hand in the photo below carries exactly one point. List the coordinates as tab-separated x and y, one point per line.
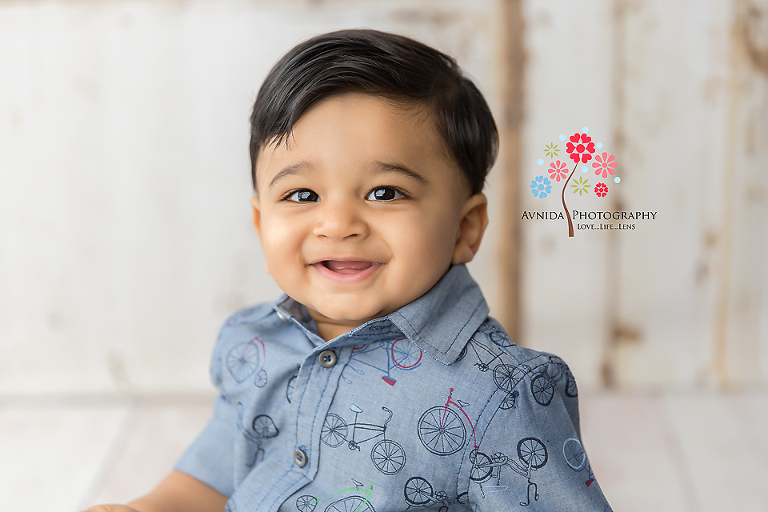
177	492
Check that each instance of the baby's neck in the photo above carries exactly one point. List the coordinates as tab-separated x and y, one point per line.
329	329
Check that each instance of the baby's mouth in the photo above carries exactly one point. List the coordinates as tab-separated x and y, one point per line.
346	267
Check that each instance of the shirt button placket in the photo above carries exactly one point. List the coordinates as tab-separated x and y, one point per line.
327	359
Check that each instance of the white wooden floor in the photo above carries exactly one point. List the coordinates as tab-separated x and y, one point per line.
692	452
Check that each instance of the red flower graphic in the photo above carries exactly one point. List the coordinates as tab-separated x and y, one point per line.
601	190
604	165
557	170
580	147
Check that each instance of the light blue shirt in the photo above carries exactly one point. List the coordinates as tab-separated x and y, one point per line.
429	408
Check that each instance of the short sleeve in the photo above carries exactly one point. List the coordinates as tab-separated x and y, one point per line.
210	458
532	455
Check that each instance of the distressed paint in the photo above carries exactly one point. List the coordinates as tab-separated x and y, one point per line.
743	299
675	90
510	125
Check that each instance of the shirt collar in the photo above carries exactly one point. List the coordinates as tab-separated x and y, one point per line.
440	322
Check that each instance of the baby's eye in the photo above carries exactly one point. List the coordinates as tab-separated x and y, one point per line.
384	194
303	196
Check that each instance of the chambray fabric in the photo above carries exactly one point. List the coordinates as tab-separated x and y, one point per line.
430	408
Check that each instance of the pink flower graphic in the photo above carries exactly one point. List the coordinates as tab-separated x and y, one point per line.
557	170
580	147
601	190
604	165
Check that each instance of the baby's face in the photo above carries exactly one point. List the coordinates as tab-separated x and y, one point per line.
360	212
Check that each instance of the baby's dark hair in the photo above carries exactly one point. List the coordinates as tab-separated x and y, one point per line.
382	64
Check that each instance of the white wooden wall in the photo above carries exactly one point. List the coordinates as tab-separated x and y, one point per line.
125	226
125	236
679	91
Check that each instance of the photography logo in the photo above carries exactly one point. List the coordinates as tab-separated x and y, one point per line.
598	176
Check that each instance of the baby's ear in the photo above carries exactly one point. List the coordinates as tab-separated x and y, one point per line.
474	220
257	222
256	214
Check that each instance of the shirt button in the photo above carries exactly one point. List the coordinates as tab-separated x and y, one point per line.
282	316
327	358
300	458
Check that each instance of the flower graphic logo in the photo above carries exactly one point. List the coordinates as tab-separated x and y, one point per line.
604	165
558	170
581	149
551	150
541	186
581	185
601	190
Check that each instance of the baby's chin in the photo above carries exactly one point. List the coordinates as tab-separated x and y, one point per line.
350	317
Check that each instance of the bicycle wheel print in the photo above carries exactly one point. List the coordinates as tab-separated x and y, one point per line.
571	389
418	491
509	400
289	388
500	338
388	457
463	352
503	376
543	389
334	431
406	354
261	378
441	430
532	451
481	467
574	453
306	503
350	504
243	360
264	427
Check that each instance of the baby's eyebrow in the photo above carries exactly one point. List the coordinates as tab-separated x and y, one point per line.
380	167
291	170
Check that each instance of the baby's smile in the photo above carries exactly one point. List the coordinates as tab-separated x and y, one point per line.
347	271
346	267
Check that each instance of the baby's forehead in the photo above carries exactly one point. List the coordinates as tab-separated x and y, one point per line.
379	130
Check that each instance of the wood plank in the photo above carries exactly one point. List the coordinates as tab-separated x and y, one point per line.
565	288
50	455
719	449
674	129
632	454
510	125
156	436
741	337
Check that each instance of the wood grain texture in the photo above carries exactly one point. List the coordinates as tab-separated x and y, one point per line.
740	338
510	126
676	108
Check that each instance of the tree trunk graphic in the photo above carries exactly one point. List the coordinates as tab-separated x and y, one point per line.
567	213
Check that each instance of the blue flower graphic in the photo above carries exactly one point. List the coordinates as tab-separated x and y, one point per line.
540	187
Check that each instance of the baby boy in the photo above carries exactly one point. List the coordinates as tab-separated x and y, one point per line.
378	382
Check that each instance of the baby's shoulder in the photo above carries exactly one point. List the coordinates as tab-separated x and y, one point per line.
250	314
244	324
497	366
492	336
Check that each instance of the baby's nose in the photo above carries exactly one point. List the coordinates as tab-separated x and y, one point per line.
339	220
